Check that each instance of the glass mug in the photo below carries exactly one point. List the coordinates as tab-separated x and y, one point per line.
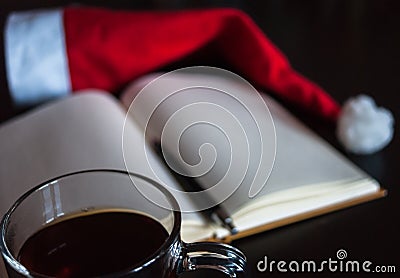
83	195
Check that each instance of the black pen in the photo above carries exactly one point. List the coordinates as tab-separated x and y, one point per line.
216	213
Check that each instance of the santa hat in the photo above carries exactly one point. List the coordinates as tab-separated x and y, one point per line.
51	53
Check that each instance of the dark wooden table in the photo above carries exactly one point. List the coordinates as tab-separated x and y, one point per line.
348	47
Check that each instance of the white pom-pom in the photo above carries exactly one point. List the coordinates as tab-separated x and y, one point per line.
364	128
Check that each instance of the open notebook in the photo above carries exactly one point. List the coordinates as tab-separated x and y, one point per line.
84	131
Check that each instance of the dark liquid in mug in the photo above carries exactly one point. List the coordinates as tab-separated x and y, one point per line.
91	245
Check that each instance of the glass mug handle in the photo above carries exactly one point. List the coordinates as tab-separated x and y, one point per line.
212	255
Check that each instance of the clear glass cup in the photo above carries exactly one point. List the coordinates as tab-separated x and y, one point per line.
87	191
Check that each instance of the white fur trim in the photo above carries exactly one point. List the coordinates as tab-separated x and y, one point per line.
364	128
35	55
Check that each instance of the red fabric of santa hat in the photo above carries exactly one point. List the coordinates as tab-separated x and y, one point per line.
55	52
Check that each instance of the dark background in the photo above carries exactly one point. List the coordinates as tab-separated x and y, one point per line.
348	47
